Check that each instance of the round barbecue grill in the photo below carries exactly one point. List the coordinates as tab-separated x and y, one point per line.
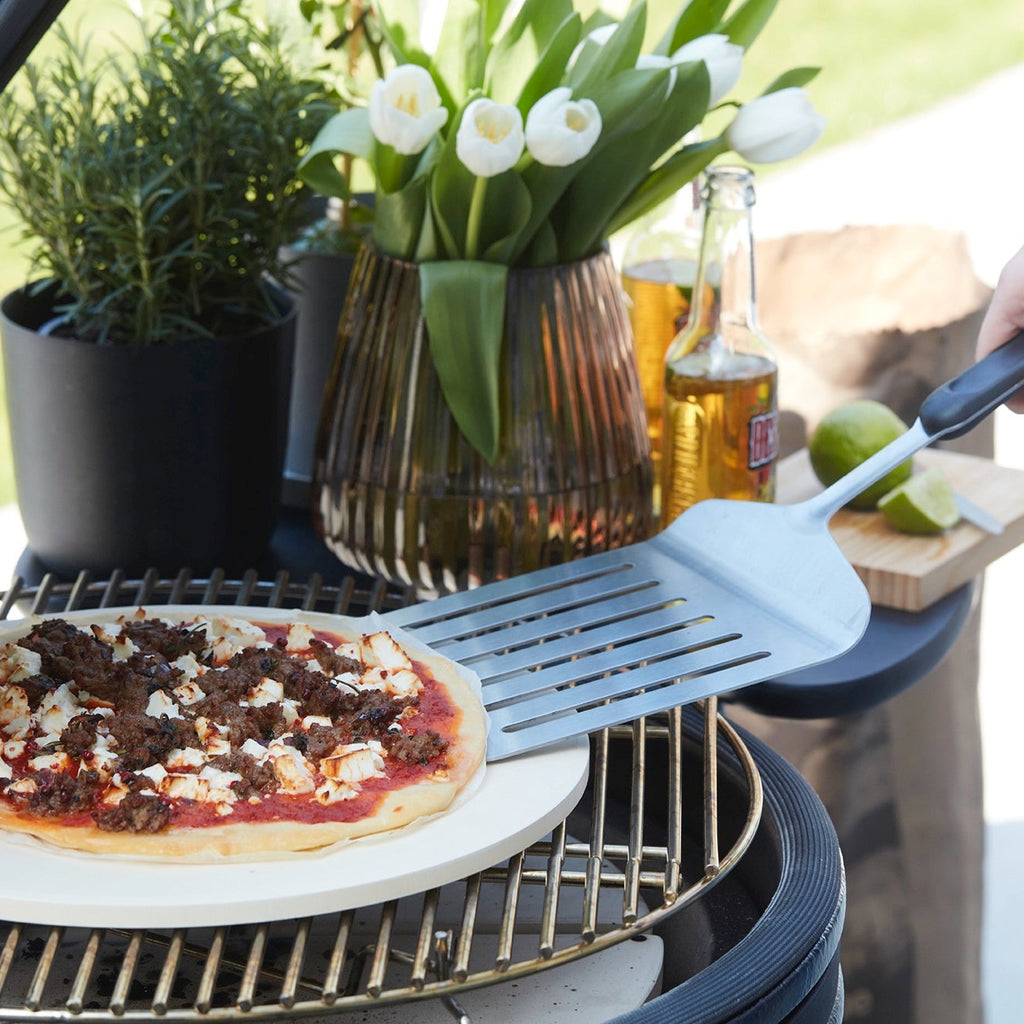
689	829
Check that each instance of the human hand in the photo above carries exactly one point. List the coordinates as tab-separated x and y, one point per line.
1005	316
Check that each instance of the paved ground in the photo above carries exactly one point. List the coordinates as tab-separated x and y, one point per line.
958	167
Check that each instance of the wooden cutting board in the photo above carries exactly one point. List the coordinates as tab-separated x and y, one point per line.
908	572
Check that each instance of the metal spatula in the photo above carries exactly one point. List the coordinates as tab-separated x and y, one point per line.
732	593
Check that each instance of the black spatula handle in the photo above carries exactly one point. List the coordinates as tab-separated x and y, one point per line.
957	406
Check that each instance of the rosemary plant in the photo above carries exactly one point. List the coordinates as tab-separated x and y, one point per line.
157	188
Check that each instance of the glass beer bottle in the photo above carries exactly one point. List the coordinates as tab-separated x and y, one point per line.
659	266
720	421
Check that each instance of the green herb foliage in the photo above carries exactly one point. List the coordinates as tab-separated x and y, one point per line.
158	188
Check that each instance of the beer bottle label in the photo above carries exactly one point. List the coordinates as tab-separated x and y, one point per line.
763	433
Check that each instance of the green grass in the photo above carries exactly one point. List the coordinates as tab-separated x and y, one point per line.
881	61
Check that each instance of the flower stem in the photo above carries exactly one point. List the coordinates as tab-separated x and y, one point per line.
476	213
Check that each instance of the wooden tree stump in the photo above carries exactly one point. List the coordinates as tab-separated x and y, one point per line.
868	312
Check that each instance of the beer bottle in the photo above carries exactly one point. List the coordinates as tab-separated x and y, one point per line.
659	266
720	425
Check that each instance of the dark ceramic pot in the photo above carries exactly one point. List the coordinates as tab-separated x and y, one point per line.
136	456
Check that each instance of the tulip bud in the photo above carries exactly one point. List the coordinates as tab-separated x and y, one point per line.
405	109
724	61
560	130
490	137
776	126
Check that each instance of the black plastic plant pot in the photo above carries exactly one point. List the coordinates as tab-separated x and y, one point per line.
127	457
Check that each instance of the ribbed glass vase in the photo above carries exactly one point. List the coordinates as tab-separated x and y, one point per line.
398	491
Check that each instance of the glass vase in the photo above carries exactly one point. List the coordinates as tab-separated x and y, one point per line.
399	492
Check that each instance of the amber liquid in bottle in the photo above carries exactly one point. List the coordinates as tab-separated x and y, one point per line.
659	294
720	436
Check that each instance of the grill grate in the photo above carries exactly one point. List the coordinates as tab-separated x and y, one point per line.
598	879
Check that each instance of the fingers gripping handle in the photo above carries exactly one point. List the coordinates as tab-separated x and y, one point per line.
957	406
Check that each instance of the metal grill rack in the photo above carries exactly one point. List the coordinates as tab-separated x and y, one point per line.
615	868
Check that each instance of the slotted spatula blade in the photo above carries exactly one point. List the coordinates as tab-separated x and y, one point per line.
731	594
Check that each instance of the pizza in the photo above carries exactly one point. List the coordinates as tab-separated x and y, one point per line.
204	734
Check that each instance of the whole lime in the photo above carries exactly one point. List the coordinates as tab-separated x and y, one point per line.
847	436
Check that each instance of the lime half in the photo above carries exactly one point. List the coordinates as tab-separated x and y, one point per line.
847	436
923	504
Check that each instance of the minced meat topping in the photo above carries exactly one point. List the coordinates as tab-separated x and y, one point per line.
122	723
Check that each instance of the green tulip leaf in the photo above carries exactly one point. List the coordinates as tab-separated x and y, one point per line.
345	133
462	45
398	219
550	68
464	310
599	63
670	176
798	77
518	51
697	18
745	25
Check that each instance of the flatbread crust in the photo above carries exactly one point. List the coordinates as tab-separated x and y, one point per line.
396	808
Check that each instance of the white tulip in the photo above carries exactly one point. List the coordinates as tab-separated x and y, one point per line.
776	126
724	61
561	130
405	109
490	137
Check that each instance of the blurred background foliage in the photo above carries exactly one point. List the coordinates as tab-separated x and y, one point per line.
881	62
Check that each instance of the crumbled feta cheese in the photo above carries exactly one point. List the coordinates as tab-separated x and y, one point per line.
189	666
294	773
255	750
5	770
188	693
381	649
220	780
213	736
184	787
349	649
56	761
266	691
299	636
13	749
13	705
26	786
161	703
331	791
17	663
57	709
115	791
156	773
109	634
185	757
352	763
228	636
103	758
346	680
311	720
400	683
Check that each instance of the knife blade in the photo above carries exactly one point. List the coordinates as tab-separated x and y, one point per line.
978	516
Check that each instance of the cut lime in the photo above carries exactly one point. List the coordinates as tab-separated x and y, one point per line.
847	436
923	504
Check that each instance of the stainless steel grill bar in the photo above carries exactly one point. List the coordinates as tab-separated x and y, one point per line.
575	894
